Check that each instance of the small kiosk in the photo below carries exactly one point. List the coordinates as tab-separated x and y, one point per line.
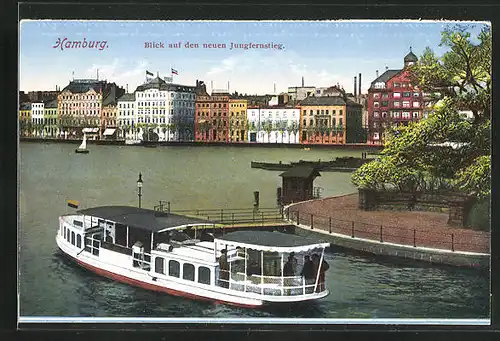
298	184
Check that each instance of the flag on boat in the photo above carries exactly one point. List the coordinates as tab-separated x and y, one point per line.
149	73
73	203
174	72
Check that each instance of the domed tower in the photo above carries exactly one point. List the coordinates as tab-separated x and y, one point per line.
410	58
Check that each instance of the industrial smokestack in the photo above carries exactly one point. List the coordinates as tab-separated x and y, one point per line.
302	81
359	80
355	87
127	88
275	88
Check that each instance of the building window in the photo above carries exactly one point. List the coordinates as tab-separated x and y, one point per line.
416	94
406	114
385	103
397	95
406	94
416	104
384	114
159	265
72	237
385	95
397	85
376	95
375	136
375	104
174	268
78	241
397	104
415	114
406	104
375	114
203	275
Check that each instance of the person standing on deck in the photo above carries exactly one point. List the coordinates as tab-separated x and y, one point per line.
224	269
308	271
289	271
322	270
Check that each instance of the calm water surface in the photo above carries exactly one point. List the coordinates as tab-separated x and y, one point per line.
206	177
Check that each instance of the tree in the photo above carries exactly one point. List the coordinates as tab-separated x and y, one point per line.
444	150
268	127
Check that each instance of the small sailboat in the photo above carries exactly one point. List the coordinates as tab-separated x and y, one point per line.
83	147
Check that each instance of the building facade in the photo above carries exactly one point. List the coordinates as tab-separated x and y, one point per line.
37	118
238	125
323	120
25	119
50	118
164	110
79	106
126	117
109	111
212	117
393	100
273	124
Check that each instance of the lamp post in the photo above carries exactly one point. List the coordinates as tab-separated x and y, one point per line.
139	187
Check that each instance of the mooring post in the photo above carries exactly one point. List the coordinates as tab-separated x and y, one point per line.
312	222
452	243
414	238
298	222
381	239
352	229
330	225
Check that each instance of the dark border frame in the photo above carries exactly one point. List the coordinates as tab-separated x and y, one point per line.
456	10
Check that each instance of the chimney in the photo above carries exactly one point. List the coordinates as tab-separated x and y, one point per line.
359	82
376	72
355	86
302	81
127	88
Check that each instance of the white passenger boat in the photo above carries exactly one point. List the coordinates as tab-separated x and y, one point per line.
174	254
82	149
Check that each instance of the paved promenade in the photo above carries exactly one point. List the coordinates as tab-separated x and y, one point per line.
422	229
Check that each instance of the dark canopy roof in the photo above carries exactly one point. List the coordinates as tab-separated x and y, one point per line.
385	76
272	241
302	171
140	218
410	57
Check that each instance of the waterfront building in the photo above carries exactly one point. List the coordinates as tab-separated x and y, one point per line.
278	124
50	118
126	117
37	118
238	125
79	106
212	120
355	131
393	100
322	120
25	119
109	111
165	110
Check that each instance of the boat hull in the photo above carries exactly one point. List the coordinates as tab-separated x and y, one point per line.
81	151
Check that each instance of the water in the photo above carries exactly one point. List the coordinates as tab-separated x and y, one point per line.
206	177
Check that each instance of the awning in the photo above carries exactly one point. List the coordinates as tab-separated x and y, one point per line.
271	241
109	131
90	130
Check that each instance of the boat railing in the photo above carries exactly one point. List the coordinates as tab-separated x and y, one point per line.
269	285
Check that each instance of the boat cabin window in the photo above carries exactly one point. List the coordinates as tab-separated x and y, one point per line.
68	236
174	268
77	223
159	265
188	271
65	232
72	237
78	241
121	234
203	275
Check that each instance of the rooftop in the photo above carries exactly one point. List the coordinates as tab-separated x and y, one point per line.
140	218
388	74
301	171
160	84
323	100
271	241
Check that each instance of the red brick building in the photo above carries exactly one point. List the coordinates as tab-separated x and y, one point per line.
211	116
392	100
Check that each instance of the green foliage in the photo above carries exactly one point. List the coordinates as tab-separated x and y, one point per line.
444	150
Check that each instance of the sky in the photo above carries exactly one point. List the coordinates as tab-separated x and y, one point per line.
323	52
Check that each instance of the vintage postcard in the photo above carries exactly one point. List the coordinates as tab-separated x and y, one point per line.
248	171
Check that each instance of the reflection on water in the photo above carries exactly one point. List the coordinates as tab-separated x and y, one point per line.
360	286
